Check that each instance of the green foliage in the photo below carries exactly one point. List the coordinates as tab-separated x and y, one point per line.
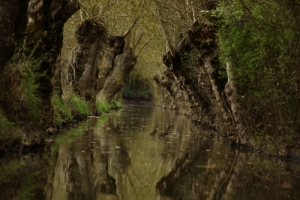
29	186
79	105
62	112
115	105
22	89
261	39
102	106
117	16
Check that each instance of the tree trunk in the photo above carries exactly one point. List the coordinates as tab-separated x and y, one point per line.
36	28
210	70
93	60
114	83
84	63
231	93
203	36
113	47
44	40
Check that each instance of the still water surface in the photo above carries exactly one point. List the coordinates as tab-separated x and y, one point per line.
144	153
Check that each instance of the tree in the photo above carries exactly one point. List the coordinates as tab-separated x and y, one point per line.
260	43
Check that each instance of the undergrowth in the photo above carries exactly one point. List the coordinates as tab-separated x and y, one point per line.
62	112
79	105
103	106
21	96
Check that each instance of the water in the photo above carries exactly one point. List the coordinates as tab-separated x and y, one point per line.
144	153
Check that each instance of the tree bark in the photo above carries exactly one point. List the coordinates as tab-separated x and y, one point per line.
93	60
231	93
90	36
44	40
114	83
113	47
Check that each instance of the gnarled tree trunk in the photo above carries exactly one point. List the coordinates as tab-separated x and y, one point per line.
113	47
83	66
203	38
124	64
93	60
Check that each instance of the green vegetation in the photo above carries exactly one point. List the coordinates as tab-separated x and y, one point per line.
79	105
103	106
261	39
115	104
70	135
22	88
62	112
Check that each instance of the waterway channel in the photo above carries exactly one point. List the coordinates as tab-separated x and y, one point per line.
143	152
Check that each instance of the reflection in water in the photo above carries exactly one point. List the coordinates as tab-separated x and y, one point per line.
145	153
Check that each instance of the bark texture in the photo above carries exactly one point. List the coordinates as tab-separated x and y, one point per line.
45	39
93	60
114	83
31	38
188	88
84	63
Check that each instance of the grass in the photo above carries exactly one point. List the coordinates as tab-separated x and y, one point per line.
115	105
62	113
22	88
79	105
103	106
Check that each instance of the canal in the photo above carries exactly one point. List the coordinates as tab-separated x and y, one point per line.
144	152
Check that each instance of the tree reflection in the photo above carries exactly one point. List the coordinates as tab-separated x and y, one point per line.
119	158
82	168
116	157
